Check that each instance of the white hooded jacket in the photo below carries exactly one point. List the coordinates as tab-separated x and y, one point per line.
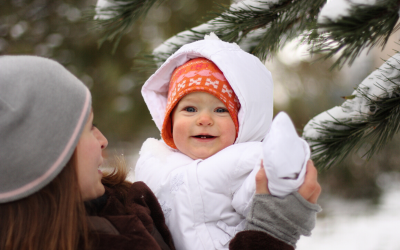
205	202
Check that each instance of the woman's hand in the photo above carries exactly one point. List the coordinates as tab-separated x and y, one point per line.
262	181
309	190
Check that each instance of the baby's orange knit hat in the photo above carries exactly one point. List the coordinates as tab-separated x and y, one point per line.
199	74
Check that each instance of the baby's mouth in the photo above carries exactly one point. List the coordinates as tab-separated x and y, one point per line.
204	136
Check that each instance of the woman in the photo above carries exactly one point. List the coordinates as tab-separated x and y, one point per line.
49	159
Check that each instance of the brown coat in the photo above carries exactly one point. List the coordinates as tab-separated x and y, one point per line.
138	223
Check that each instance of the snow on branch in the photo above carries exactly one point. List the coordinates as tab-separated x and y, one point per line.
347	27
370	114
260	27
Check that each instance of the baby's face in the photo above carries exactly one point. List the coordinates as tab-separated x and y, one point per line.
202	126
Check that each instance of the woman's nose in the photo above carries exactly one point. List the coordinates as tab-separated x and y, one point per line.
205	119
102	139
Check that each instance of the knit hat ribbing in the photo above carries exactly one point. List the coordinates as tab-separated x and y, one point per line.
43	109
199	74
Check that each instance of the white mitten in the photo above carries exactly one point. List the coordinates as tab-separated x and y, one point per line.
285	157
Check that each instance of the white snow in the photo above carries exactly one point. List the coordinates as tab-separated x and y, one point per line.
294	52
328	118
101	14
252	39
249	4
182	37
334	9
375	86
354	225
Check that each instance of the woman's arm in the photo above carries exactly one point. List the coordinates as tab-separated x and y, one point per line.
277	223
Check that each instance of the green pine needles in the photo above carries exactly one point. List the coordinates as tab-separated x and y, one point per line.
269	26
342	136
118	18
364	27
261	27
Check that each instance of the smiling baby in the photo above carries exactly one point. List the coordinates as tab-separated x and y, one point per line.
213	105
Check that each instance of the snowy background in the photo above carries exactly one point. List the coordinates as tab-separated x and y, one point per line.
358	225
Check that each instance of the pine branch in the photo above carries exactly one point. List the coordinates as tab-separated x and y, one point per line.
365	26
378	129
118	19
335	144
261	27
339	137
279	22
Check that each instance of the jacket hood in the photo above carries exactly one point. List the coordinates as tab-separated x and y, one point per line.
246	74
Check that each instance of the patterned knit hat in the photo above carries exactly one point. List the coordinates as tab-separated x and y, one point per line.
203	75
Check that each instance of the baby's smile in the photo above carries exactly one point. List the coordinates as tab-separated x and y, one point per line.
202	126
204	136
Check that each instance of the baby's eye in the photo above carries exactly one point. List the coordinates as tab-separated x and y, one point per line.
94	125
221	110
190	109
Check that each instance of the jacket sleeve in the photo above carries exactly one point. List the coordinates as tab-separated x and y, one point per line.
242	178
131	221
146	166
275	223
243	195
284	218
257	240
157	157
142	194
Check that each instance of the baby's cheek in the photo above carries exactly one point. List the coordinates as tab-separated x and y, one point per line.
228	141
231	135
179	141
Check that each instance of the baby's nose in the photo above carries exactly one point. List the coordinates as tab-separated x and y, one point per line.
205	119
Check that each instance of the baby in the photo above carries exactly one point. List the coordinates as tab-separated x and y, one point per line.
213	104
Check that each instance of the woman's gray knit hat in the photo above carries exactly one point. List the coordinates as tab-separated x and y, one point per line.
43	109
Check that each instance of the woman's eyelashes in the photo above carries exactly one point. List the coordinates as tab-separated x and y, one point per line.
94	125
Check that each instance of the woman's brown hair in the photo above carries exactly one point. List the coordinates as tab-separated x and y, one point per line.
116	179
52	218
55	216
